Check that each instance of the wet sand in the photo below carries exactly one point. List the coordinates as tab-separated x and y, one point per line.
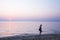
33	37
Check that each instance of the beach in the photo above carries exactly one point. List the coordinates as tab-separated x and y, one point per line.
33	37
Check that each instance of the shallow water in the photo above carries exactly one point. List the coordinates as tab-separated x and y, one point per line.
15	28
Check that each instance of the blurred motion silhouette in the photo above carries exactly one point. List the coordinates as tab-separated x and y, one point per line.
40	29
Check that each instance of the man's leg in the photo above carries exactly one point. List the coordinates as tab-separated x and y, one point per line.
40	33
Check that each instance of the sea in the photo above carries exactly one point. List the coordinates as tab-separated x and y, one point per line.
11	28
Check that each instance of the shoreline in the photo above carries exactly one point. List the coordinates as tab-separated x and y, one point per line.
33	37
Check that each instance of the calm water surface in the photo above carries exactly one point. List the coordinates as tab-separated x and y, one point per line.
15	28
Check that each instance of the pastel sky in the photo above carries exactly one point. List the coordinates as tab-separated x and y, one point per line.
30	9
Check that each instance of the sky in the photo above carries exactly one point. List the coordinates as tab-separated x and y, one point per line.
30	9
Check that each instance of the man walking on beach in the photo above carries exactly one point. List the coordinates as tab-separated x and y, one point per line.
40	29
